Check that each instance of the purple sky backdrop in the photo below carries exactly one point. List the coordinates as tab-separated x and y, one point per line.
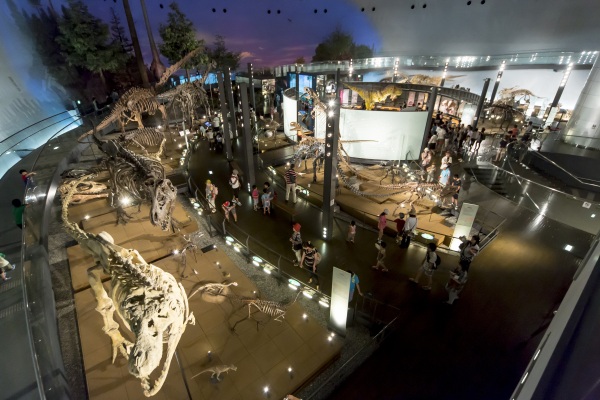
264	40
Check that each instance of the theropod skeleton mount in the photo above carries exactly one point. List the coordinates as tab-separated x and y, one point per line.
149	301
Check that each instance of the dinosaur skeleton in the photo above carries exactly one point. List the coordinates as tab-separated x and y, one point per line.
217	370
189	245
273	309
137	101
143	138
318	105
136	178
213	289
84	191
371	95
147	299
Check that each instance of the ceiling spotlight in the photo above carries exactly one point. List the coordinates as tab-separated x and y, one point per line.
412	7
268	11
161	5
373	9
315	11
214	10
278	11
424	5
482	1
468	3
224	10
362	9
325	11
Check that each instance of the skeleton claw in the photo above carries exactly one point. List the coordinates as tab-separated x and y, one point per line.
122	345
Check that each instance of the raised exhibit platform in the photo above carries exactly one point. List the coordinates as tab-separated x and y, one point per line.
260	348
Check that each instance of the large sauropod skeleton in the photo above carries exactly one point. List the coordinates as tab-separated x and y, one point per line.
149	301
137	101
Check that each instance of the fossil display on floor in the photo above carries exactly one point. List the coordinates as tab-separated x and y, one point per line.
151	303
217	370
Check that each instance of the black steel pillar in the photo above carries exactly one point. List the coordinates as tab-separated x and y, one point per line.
230	101
332	132
251	84
486	85
430	111
247	143
224	119
297	91
495	88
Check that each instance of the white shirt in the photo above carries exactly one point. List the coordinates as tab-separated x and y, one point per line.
216	122
441	132
411	224
433	139
447	160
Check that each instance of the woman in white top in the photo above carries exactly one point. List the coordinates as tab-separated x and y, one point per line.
409	229
428	267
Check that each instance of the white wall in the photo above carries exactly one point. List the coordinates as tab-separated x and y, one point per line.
290	114
387	135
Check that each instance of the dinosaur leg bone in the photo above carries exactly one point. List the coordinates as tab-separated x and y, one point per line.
106	308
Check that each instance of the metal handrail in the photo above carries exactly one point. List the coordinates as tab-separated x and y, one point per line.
38	131
519	177
29	126
578	179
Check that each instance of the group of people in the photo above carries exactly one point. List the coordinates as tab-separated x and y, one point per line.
307	256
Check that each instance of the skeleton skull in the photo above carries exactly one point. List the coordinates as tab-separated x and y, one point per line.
163	203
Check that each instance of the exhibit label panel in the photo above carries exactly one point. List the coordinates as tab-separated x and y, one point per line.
290	114
340	294
464	223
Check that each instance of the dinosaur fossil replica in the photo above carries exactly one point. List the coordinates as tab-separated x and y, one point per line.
84	191
148	300
143	138
273	309
137	101
136	178
371	96
318	105
188	246
217	370
212	289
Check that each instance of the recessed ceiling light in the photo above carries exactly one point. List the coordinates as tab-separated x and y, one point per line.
362	9
412	7
568	247
424	5
468	3
593	215
373	9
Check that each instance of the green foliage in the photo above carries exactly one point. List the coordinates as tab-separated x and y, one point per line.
223	57
118	33
84	41
179	38
339	45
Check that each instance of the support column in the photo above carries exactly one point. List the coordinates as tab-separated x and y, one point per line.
251	80
429	124
497	83
247	145
486	85
332	131
583	129
297	91
230	101
224	119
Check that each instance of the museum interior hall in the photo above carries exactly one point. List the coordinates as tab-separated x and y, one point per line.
350	199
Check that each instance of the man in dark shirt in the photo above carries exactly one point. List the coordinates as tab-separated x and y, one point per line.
456	183
502	149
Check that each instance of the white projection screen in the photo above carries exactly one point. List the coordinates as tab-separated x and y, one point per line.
290	114
391	135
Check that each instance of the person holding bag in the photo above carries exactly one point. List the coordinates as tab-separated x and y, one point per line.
409	229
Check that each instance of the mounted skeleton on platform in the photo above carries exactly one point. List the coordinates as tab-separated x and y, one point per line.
136	178
137	101
149	301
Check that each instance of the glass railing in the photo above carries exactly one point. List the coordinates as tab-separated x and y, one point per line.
38	295
584	58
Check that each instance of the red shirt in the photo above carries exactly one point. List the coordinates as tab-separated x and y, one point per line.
399	224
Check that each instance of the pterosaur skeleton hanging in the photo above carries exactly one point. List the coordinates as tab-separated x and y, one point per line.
149	301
